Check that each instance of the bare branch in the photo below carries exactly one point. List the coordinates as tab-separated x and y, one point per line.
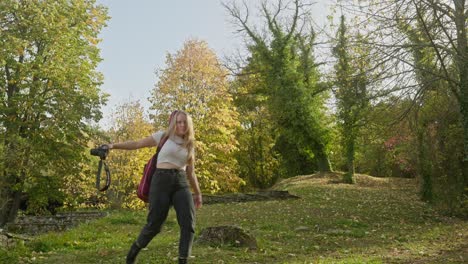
278	9
439	56
295	17
443	27
441	7
407	62
272	23
235	12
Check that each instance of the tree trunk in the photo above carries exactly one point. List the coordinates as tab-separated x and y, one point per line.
424	167
14	175
462	65
12	182
349	175
10	207
464	111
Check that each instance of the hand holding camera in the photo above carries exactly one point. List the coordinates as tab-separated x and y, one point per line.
102	152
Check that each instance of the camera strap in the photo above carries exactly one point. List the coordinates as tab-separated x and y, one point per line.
98	176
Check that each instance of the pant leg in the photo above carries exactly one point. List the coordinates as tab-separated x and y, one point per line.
159	204
185	210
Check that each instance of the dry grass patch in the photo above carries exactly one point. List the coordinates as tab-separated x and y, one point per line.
361	180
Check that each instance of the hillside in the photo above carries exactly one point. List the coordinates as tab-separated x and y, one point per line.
377	220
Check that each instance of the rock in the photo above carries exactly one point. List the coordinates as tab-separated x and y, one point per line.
227	235
3	241
8	240
33	225
18	236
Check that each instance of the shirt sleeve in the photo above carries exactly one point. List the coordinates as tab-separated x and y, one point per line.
157	136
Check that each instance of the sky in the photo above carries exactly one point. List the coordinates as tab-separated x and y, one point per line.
140	33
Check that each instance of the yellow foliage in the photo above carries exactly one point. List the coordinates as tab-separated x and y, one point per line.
195	81
129	124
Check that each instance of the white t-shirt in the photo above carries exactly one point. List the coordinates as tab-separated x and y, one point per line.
173	150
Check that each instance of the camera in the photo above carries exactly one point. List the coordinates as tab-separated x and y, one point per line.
100	151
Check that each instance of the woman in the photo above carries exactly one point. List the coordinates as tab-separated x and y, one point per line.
169	185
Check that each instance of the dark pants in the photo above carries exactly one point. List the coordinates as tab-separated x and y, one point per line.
169	187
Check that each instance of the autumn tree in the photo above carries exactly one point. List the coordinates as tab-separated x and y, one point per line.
128	123
195	81
50	89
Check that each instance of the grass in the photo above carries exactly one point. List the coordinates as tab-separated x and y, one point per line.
377	220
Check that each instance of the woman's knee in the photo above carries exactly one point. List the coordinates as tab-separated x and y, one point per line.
153	229
190	230
186	223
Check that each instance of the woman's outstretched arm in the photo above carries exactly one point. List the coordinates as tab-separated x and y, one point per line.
130	145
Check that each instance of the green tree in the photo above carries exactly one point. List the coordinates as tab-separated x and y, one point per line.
351	70
195	81
283	58
79	188
49	90
258	161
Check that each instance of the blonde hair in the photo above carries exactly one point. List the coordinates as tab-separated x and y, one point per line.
189	136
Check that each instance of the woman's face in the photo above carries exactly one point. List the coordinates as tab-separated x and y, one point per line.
181	125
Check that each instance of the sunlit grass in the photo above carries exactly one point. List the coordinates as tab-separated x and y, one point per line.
375	221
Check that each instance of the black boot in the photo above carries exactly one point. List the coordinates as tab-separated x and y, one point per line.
131	256
183	261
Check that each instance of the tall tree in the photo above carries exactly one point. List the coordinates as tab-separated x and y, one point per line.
283	58
49	90
425	61
351	70
196	82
